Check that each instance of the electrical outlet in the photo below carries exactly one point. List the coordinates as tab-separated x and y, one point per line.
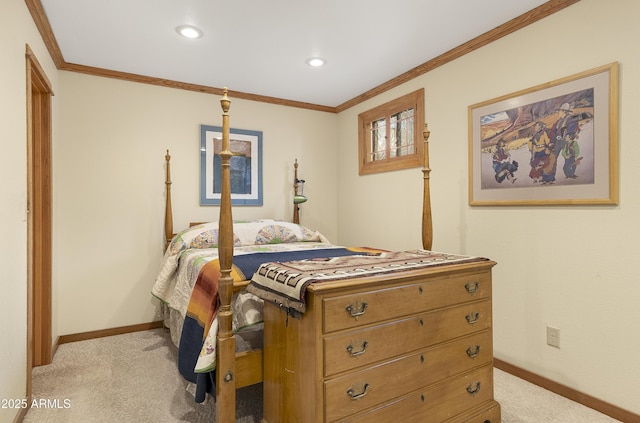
553	336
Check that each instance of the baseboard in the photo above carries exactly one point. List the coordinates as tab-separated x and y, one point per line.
54	348
20	416
569	393
84	336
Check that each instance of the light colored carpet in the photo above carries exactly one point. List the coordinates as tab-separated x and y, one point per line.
524	402
125	378
134	378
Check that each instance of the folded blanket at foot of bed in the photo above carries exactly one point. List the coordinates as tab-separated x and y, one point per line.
285	283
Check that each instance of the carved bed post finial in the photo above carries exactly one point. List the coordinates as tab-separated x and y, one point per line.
225	103
427	224
168	214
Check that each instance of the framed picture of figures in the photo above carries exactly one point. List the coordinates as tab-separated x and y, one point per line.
246	166
553	144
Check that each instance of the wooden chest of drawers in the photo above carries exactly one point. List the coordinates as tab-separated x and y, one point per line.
408	347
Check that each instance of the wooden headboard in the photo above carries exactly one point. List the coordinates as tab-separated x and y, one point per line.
427	224
168	216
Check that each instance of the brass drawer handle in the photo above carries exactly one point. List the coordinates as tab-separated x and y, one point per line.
352	392
361	351
474	388
354	311
473	351
472	287
472	317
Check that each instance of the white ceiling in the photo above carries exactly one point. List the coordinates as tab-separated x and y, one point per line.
260	46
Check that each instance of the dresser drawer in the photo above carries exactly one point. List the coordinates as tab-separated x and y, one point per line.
436	403
346	351
352	310
483	414
357	391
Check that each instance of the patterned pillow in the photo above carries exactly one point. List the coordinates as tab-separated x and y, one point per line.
209	239
251	232
275	234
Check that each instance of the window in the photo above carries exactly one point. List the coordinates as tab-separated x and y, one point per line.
390	135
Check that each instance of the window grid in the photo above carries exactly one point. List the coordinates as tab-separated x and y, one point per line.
401	142
387	135
400	136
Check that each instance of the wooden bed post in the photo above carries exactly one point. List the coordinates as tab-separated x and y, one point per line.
226	354
296	207
427	224
168	214
298	194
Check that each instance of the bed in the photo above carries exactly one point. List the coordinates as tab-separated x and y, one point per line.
216	276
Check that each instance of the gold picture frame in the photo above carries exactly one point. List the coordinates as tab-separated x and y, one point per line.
552	144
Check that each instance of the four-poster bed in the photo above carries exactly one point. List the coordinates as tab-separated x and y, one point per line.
343	348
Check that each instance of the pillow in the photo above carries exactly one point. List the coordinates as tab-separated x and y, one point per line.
250	232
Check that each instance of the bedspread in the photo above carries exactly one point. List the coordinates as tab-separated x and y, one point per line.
194	247
200	326
187	281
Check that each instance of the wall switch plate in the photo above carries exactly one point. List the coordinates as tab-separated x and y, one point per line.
553	336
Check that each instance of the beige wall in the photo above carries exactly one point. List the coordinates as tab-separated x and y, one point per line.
109	186
16	30
568	267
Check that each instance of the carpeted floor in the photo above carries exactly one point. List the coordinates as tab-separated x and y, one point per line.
133	378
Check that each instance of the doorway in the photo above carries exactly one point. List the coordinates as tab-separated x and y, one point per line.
39	212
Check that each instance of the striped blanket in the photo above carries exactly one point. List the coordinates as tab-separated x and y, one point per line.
284	283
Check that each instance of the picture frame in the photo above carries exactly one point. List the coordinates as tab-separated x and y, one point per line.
552	144
246	166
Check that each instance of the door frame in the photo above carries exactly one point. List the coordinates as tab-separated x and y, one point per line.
39	215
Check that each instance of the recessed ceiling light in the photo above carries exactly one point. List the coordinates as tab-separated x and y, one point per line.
189	31
316	61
